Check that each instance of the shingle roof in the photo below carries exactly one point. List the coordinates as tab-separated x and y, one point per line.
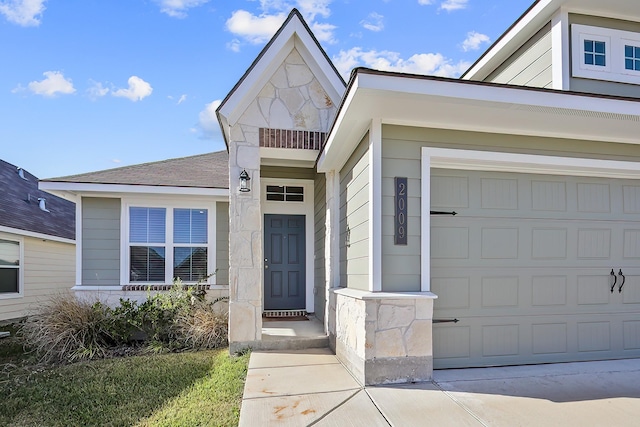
209	170
19	206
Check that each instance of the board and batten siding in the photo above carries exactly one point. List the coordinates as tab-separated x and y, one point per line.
530	65
354	219
319	215
49	268
601	86
222	243
100	241
401	154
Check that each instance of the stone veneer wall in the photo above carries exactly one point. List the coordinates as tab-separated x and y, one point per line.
292	99
383	338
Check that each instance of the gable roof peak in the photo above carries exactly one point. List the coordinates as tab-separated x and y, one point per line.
294	33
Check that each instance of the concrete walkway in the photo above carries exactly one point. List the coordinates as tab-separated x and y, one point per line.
311	387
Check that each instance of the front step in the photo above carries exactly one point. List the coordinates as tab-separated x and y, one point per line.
293	335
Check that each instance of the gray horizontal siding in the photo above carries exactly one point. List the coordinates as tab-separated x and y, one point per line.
222	243
354	219
288	173
530	65
100	241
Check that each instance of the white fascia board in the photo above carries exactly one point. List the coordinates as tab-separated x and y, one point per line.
35	235
327	157
520	33
258	76
52	186
505	95
287	156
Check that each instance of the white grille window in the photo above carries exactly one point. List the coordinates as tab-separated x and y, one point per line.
285	193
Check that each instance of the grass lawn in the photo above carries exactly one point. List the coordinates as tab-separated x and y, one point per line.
201	388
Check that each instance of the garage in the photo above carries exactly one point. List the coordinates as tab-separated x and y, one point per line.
536	268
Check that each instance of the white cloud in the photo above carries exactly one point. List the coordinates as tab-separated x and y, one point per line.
474	40
255	29
26	13
178	8
311	8
53	84
374	22
137	90
424	63
97	90
450	5
234	45
207	120
259	28
447	5
182	99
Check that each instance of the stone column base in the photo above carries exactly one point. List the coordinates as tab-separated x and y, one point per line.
382	337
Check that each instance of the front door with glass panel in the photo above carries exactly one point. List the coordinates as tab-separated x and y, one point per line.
284	265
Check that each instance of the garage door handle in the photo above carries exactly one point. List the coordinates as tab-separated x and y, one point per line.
445	320
623	280
615	279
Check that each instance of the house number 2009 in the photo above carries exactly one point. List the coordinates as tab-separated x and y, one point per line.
401	211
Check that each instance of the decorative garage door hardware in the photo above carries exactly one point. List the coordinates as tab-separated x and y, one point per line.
454	213
445	320
615	280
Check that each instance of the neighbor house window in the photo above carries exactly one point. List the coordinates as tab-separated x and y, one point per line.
9	267
168	243
632	58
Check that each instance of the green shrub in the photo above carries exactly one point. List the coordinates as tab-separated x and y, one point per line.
68	329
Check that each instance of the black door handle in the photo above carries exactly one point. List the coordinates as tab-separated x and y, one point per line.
615	279
623	280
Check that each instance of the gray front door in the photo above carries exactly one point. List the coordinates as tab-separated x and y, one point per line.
284	265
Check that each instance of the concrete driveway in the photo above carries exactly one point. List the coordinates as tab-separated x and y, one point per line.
311	387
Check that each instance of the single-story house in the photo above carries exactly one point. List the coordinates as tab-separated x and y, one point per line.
37	243
428	222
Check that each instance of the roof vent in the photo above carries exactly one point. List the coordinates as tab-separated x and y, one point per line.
42	201
21	174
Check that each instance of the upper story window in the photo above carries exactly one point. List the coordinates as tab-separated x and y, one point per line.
595	53
10	267
631	57
605	54
168	243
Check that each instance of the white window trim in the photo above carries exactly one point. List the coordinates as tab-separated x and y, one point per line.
169	205
305	208
615	40
20	293
504	162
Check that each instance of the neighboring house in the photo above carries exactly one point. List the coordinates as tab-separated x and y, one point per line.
348	212
37	243
149	223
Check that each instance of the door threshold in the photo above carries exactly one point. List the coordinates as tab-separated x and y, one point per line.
284	313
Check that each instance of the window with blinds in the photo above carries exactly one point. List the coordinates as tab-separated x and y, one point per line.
168	243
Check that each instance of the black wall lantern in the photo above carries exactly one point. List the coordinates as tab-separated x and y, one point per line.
244	182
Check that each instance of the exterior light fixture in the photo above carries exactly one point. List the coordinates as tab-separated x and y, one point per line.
245	187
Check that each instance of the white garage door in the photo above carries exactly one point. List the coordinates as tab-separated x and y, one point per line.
526	265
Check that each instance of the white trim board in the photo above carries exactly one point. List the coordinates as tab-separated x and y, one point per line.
75	187
445	158
35	235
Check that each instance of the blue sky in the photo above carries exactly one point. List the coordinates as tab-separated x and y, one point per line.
87	85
